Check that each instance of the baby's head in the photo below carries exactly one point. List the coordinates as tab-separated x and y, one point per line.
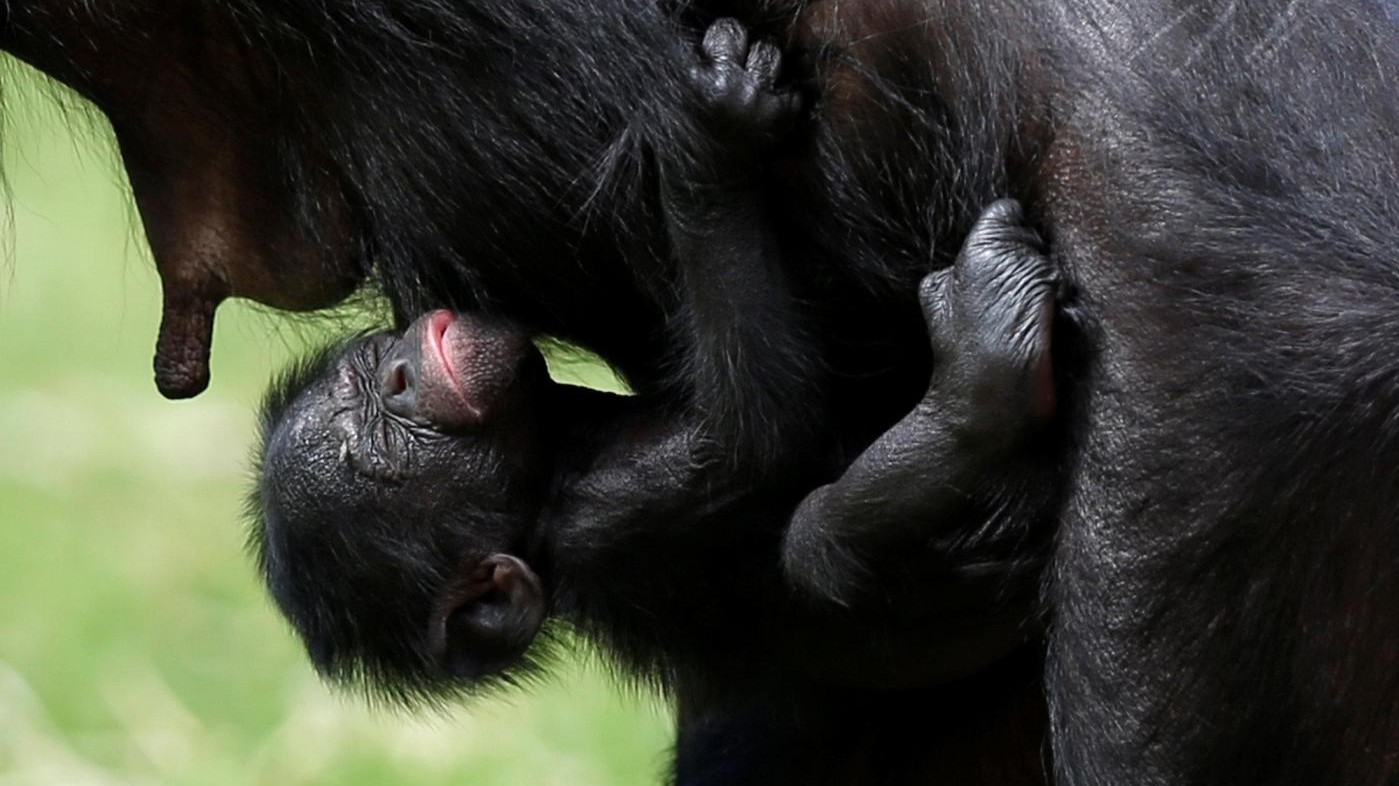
398	486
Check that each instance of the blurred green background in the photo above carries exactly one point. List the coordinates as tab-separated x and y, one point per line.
135	644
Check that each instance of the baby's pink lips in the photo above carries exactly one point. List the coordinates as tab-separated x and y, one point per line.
435	334
436	330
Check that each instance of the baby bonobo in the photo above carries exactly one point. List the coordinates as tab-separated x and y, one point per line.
400	475
427	499
423	505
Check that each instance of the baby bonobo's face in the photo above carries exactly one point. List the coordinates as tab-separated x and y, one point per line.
400	477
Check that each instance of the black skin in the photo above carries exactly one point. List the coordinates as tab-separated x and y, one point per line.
1214	178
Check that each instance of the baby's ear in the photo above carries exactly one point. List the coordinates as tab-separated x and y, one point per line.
486	619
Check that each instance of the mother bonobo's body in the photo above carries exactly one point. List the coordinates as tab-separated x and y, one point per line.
1217	177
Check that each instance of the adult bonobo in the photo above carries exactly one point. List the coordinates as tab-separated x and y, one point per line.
1215	178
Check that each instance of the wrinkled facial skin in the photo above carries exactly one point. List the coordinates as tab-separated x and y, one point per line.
399	478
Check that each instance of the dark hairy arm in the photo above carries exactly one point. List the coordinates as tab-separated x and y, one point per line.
748	351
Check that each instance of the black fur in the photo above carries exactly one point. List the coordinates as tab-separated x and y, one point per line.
1216	179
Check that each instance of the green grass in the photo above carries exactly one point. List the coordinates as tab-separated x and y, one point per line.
135	644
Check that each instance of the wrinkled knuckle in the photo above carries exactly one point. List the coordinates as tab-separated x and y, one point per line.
985	247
